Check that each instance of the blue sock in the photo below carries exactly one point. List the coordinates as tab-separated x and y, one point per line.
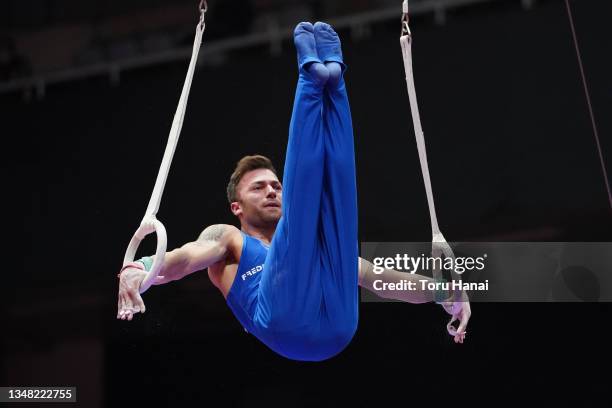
308	59
329	51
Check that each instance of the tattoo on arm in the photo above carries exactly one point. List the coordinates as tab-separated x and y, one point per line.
212	233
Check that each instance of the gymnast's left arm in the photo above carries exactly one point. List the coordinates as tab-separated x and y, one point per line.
379	284
386	282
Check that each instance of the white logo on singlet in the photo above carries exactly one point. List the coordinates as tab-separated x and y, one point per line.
252	271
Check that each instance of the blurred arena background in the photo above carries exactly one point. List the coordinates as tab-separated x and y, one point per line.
87	95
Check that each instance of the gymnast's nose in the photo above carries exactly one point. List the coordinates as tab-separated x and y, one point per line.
270	191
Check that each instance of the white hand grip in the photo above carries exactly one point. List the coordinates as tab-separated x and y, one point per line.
147	227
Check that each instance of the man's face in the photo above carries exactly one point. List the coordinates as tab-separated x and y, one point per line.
259	198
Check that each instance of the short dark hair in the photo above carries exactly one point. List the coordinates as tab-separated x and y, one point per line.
244	165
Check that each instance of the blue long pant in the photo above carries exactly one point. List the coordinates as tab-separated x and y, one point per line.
308	295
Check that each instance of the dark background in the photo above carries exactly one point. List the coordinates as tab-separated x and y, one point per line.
512	158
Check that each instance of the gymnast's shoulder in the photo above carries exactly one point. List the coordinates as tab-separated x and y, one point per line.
218	232
223	235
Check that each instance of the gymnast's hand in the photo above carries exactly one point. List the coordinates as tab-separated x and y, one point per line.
130	301
461	311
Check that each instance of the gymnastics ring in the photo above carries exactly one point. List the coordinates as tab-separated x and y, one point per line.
146	227
439	245
149	222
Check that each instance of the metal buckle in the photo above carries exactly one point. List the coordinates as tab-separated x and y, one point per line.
202	8
405	28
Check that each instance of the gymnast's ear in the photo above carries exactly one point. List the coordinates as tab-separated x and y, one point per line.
236	208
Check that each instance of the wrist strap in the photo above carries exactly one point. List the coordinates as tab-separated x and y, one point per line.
147	262
136	264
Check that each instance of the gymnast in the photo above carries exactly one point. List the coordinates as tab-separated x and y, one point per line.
290	274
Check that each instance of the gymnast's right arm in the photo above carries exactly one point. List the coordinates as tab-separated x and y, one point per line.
211	246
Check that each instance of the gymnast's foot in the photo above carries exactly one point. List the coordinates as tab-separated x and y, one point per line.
308	59
329	50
